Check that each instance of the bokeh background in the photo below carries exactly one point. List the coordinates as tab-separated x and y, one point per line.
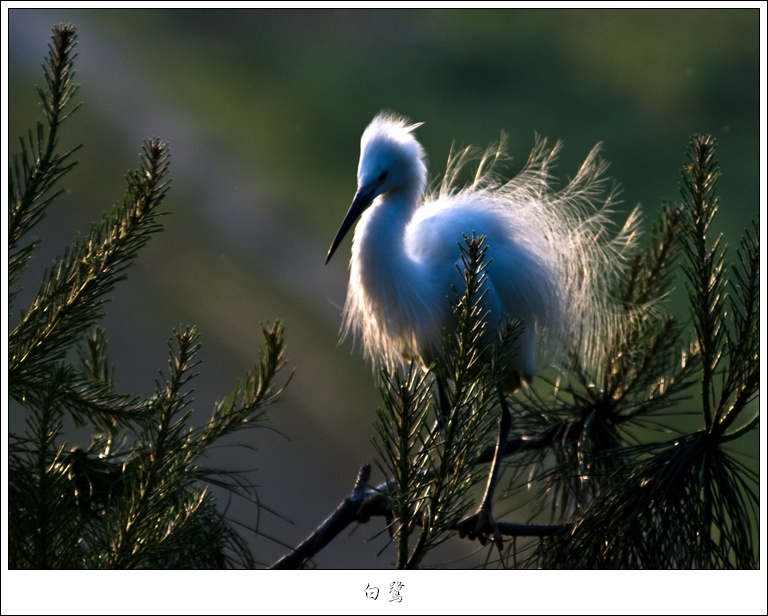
263	110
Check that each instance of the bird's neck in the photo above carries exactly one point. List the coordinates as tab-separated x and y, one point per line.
379	248
391	296
380	233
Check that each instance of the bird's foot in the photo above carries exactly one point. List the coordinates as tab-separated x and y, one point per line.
374	506
482	526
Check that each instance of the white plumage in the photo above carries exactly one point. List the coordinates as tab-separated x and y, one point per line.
552	256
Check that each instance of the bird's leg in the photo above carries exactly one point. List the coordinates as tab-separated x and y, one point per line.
482	524
505	422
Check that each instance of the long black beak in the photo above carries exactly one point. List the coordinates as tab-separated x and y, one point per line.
361	201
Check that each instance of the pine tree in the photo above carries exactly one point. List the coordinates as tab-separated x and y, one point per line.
137	495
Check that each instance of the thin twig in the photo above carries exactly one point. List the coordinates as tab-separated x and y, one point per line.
365	503
343	516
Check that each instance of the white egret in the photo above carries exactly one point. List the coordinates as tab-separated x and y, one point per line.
550	257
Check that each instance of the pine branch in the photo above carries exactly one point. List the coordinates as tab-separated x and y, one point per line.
37	168
70	300
649	277
432	470
162	468
136	497
41	509
665	511
687	502
401	446
705	265
742	379
568	437
245	405
706	269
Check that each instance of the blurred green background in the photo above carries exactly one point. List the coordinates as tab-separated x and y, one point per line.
263	110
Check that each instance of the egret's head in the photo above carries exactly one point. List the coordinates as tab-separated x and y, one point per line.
390	160
390	157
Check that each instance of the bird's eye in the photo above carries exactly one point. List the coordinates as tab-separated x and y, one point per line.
382	177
